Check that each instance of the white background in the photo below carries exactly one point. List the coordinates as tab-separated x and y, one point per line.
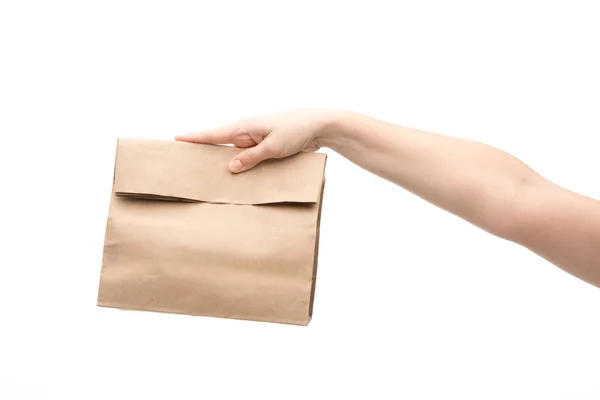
411	302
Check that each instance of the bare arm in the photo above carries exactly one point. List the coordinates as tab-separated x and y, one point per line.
482	185
476	182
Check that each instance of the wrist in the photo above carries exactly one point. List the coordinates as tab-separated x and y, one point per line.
335	128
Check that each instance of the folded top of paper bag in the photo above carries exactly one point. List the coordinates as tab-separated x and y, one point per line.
192	172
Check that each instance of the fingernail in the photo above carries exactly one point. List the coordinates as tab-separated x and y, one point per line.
235	166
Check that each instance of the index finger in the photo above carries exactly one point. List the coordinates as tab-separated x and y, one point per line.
222	135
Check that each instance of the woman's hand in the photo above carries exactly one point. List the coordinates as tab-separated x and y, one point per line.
270	136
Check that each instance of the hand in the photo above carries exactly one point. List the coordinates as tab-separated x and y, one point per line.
271	136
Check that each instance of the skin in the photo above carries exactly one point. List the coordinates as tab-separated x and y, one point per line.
481	184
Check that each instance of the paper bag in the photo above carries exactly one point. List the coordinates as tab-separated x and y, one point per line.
184	235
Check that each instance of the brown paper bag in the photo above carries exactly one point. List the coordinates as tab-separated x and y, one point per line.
184	235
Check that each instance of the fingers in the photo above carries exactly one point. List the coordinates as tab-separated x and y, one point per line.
251	157
222	135
240	134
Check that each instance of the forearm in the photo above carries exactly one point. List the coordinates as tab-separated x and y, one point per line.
481	184
471	180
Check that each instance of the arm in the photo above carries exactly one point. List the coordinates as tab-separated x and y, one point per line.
482	185
476	182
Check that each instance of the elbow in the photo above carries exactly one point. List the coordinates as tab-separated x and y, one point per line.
514	209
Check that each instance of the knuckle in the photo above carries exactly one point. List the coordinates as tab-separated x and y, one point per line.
245	156
245	125
238	129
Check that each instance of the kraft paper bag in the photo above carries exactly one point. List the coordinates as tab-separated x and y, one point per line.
184	235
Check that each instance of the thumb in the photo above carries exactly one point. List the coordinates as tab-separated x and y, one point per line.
249	158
